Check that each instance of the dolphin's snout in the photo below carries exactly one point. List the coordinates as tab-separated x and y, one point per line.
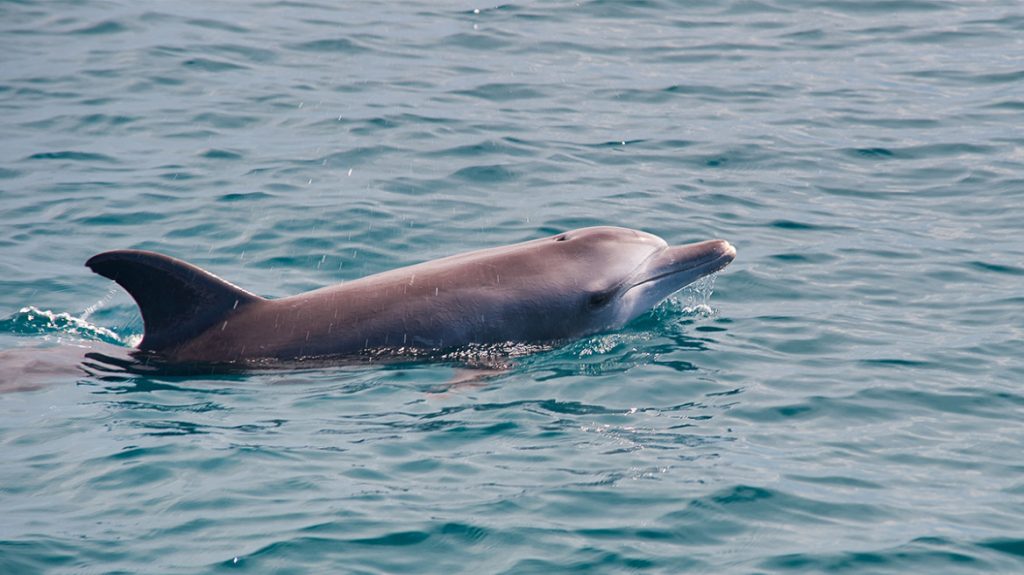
722	253
727	250
730	250
714	253
677	266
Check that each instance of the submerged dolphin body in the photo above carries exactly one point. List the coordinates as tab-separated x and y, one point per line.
544	291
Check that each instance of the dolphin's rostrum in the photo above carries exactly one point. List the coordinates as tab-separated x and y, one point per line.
549	290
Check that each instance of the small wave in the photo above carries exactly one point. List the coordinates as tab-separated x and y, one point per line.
34	321
73	155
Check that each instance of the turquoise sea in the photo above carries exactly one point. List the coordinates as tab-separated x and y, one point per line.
846	397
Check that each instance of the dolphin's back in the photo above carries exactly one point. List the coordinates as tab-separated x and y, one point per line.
178	300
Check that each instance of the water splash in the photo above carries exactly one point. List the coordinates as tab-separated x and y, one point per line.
34	321
695	297
100	303
608	343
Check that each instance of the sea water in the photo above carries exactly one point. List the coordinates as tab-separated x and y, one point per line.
847	398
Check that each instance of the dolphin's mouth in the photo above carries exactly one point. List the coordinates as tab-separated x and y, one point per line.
692	262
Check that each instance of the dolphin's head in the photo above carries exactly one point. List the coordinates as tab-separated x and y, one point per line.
622	273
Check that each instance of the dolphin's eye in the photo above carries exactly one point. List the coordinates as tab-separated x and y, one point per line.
599	299
561	238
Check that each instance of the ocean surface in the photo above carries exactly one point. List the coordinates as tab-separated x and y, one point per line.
846	397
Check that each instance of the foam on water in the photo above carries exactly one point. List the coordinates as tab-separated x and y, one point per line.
34	321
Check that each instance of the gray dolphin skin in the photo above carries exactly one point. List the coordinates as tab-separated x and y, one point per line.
544	291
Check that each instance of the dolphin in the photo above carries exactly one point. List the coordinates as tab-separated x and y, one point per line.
545	291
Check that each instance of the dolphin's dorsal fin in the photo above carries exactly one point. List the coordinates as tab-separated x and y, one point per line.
178	300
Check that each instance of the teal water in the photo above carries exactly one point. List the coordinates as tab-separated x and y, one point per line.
846	399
